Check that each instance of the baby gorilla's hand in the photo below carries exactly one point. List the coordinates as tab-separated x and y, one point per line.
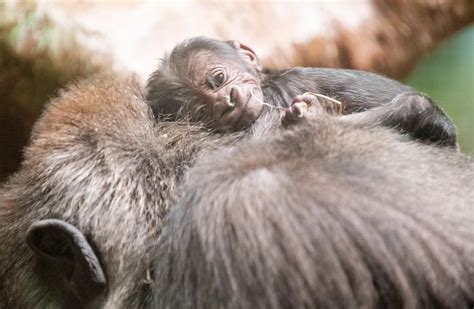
308	106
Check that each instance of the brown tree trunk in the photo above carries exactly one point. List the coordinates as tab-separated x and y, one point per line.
390	42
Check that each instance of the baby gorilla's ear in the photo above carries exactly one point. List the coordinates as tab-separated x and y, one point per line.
247	53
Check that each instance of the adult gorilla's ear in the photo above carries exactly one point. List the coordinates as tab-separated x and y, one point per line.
247	53
68	257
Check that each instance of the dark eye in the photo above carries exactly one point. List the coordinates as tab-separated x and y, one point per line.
216	80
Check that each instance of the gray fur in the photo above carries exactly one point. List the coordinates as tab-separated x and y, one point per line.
355	216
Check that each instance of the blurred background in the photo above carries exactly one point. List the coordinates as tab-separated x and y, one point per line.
447	75
46	44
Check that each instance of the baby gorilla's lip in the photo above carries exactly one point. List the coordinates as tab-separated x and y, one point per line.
252	109
233	116
238	123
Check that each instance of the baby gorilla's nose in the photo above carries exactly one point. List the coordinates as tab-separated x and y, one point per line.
238	109
235	96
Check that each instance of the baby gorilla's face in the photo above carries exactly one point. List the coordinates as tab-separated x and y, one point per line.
230	89
209	81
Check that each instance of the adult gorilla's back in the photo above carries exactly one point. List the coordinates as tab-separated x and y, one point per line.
345	217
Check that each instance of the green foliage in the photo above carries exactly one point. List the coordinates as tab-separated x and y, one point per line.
447	76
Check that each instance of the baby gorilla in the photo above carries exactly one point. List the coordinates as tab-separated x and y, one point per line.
222	84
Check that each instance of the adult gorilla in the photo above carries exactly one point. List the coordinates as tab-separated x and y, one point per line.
352	215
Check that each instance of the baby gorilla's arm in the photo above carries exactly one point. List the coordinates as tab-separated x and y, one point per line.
413	114
410	113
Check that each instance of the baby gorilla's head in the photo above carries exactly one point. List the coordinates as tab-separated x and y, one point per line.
208	80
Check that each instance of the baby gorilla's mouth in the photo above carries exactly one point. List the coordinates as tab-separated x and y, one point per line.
242	122
236	110
251	110
239	109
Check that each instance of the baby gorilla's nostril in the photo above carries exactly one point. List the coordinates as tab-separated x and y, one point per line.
228	101
235	95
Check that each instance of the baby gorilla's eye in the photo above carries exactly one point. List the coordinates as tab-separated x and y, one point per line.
216	80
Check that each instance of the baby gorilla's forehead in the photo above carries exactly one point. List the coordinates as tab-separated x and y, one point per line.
204	63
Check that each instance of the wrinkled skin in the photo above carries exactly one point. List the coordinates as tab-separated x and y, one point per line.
236	97
224	90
